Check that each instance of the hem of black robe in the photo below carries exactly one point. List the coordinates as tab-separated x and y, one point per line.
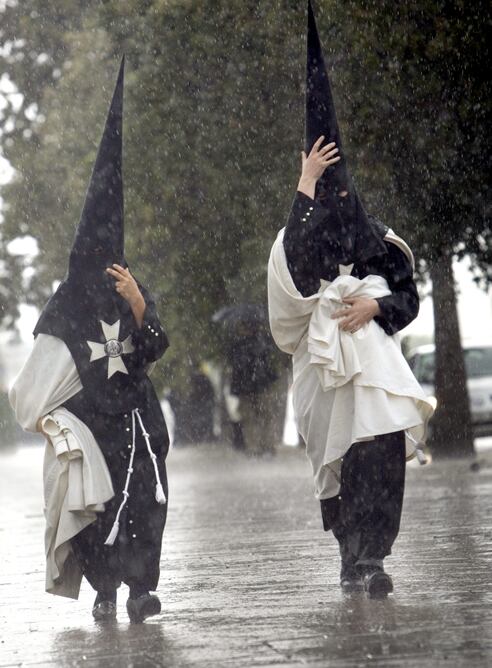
330	509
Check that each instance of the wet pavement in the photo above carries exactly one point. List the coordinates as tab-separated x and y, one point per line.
249	578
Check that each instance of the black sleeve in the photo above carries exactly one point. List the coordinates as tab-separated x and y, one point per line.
316	241
300	243
319	237
150	340
402	305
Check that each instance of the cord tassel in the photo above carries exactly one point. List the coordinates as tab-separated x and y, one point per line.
160	497
419	449
422	459
112	534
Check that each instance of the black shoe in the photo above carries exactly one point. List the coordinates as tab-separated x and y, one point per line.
350	578
351	584
378	584
142	607
104	611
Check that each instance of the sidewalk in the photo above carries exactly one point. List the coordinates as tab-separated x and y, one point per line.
250	579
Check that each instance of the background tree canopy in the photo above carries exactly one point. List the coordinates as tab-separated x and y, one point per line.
213	131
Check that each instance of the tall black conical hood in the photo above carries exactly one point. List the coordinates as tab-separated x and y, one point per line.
360	240
321	118
85	311
99	238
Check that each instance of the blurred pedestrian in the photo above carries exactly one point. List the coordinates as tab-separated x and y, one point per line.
202	407
85	386
258	417
193	409
340	287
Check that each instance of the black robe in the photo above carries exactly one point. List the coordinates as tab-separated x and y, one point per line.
134	557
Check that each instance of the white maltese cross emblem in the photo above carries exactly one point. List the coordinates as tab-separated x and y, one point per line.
113	349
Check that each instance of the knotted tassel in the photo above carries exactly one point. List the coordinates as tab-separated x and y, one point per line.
112	534
419	448
160	497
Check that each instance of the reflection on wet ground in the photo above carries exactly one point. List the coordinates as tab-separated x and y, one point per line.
108	645
249	579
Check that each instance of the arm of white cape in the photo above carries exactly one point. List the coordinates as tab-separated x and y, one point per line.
47	379
289	312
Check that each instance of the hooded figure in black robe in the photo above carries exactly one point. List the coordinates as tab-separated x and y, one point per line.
321	234
112	353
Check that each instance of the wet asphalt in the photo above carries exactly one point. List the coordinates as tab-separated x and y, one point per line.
248	577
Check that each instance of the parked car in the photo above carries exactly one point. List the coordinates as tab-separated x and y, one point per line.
478	364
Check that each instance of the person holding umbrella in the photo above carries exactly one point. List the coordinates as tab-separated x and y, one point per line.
253	378
340	286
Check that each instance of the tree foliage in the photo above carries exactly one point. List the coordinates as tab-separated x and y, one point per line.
413	85
213	122
214	127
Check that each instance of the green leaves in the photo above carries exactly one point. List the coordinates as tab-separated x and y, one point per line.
214	128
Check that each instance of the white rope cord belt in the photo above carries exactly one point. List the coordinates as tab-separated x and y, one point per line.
160	497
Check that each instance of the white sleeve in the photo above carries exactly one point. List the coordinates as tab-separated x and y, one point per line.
48	378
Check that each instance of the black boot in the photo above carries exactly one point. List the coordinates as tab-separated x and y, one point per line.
377	583
351	583
350	578
104	609
142	606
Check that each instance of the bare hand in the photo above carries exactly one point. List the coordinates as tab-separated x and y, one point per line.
125	284
314	164
360	311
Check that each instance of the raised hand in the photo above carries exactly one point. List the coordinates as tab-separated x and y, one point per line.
125	284
314	165
128	288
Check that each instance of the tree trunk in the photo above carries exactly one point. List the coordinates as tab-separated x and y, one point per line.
451	425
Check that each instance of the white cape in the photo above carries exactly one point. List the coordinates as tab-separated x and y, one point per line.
76	478
347	388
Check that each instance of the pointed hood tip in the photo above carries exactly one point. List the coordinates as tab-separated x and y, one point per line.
120	77
99	238
320	118
311	18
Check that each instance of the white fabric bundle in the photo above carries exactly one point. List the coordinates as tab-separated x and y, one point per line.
77	482
347	388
